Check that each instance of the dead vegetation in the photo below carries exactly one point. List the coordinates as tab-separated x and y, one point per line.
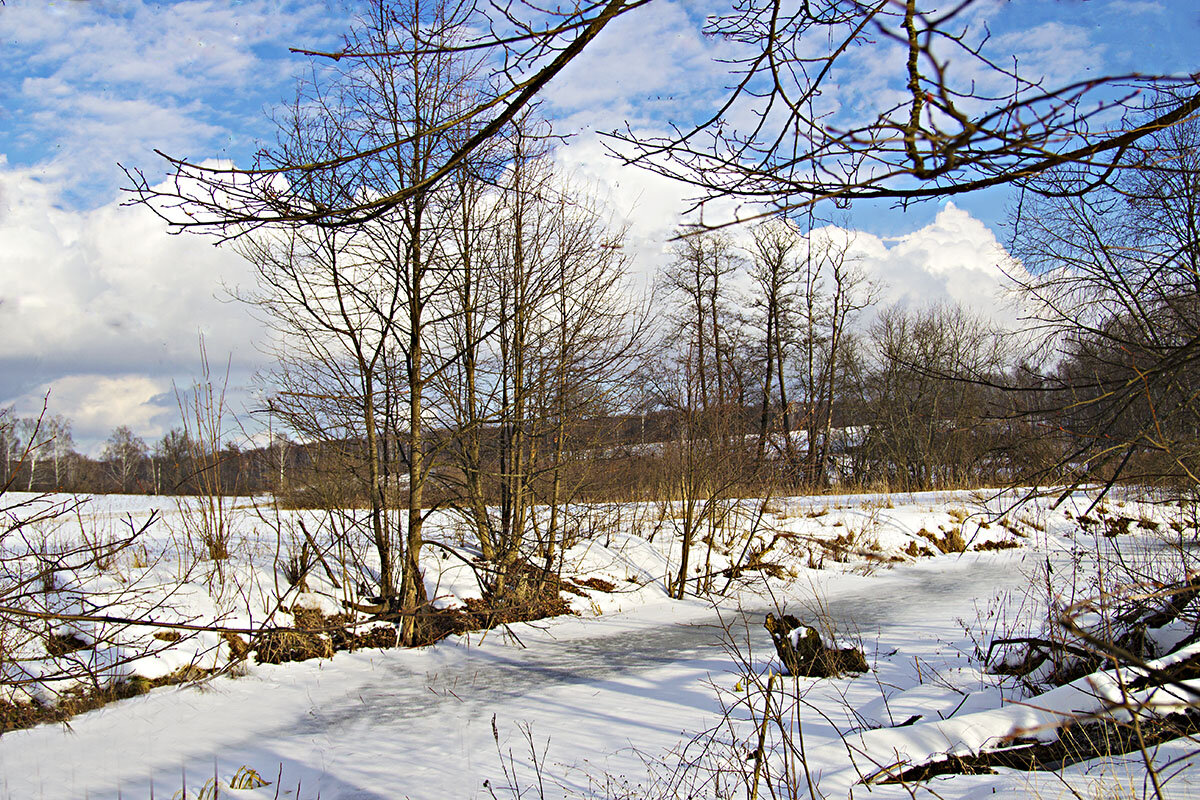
599	584
950	541
16	715
996	544
534	595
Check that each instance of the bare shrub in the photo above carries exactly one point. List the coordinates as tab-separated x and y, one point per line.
208	520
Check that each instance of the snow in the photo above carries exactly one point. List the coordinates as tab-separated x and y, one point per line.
613	700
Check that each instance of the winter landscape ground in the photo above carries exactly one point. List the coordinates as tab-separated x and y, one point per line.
542	335
635	694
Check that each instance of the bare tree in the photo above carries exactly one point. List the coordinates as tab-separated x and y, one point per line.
62	448
170	463
930	420
774	271
544	332
205	413
8	442
700	382
356	302
829	256
410	101
700	282
125	455
700	468
33	441
46	437
809	292
1114	281
332	312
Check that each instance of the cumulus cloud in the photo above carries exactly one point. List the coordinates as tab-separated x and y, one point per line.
953	259
96	404
108	292
649	206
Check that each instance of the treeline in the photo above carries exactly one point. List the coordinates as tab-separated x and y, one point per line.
768	352
39	455
916	400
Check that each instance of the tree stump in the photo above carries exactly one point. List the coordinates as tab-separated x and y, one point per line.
804	654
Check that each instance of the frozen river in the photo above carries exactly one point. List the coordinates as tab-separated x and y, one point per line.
600	695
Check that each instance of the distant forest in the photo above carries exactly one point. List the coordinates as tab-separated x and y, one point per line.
920	400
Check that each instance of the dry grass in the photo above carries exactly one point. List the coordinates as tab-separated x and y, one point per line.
995	545
951	541
16	716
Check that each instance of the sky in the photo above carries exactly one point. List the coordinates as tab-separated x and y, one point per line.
102	310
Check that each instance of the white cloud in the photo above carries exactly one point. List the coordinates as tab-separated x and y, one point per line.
109	292
96	404
650	205
953	259
85	85
1055	52
177	47
651	63
1135	7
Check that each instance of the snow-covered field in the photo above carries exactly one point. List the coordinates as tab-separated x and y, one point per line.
637	695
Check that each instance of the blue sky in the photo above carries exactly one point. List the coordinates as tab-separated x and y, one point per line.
88	83
103	309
